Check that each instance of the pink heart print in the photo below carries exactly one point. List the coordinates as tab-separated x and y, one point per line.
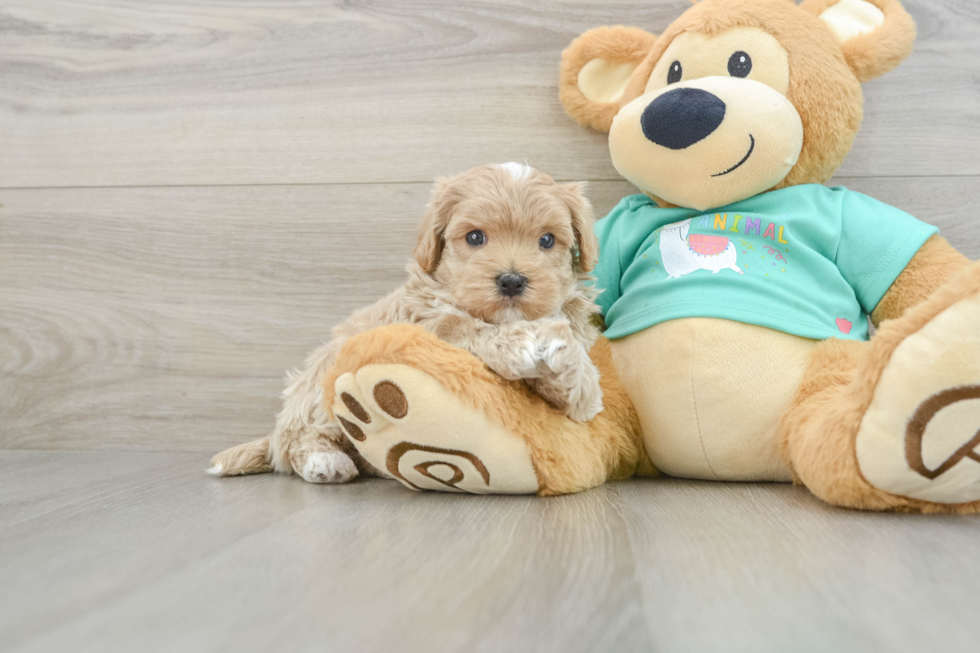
844	325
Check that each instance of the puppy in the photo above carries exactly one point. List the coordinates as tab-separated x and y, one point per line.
501	256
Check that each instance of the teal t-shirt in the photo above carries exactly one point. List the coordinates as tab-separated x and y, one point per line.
807	260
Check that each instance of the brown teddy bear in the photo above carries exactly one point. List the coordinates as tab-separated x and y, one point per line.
736	289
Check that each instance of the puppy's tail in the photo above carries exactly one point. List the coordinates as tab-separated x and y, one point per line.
252	457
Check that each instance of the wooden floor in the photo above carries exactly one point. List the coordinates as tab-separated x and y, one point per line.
123	551
191	194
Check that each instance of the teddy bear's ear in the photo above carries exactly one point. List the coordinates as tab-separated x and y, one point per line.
595	69
875	35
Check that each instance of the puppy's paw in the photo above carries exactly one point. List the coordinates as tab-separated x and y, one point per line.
558	355
517	353
329	467
584	407
557	349
571	383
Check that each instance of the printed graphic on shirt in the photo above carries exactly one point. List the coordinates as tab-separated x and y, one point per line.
683	252
811	261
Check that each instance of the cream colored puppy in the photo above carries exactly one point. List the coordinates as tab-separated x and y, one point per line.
501	256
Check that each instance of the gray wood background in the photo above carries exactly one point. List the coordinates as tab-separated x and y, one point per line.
193	192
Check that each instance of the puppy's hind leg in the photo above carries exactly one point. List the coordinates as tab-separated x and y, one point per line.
321	458
305	441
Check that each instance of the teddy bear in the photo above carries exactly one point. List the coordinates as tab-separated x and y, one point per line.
736	289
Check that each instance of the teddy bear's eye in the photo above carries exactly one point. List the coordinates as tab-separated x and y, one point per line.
675	73
740	64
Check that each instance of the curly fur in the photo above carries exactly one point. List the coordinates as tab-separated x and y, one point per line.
540	338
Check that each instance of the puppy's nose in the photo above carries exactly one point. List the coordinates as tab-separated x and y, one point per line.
511	284
682	117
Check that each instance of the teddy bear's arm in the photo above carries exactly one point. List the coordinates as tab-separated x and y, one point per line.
934	264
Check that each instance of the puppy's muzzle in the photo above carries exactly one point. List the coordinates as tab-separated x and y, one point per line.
511	284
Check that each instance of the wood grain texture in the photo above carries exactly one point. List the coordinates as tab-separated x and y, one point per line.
192	193
113	551
163	92
164	319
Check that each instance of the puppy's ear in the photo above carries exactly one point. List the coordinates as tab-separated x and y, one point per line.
431	240
875	35
595	68
573	195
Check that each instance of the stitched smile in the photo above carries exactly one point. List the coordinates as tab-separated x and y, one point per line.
744	159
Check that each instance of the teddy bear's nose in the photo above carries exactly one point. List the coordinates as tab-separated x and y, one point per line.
682	117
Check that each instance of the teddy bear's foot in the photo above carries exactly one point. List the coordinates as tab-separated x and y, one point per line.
920	437
435	417
411	428
894	423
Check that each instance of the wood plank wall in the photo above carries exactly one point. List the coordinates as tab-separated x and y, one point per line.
191	193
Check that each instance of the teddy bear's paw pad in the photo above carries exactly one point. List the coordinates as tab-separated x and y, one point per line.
390	399
920	437
352	410
355	407
427	438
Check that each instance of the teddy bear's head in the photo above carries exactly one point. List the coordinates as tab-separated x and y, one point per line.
736	97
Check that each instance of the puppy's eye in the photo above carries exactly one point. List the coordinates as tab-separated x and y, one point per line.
675	73
476	238
739	64
547	241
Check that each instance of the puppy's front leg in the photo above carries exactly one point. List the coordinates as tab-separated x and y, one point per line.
510	350
544	353
571	382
